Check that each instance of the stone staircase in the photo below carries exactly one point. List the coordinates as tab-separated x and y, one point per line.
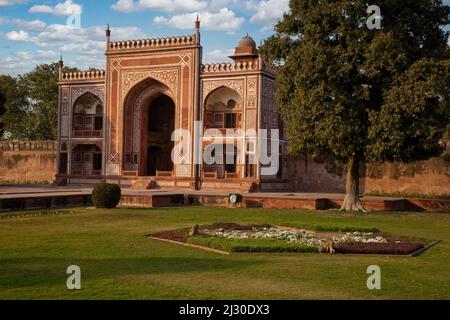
144	183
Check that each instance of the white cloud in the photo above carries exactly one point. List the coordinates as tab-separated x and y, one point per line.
223	20
40	9
39	54
34	25
57	35
65	9
267	11
24	61
173	5
217	55
18	36
219	4
4	3
125	6
81	47
161	5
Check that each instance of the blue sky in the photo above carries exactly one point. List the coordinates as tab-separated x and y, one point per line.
34	32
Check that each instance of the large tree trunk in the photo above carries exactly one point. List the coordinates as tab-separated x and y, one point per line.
352	201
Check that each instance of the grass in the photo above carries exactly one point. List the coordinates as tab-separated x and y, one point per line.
251	245
117	261
33	213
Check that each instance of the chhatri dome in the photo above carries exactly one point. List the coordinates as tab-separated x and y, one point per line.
246	49
246	42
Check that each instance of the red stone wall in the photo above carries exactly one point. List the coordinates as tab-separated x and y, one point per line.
27	162
422	177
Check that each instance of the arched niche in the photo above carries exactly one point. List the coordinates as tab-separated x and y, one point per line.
88	116
86	160
223	109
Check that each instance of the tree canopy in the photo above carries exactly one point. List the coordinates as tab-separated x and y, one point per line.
31	103
356	94
2	111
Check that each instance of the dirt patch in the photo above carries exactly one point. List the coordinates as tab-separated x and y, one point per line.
378	248
174	235
235	226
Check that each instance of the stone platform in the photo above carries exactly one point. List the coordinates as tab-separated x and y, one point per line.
38	197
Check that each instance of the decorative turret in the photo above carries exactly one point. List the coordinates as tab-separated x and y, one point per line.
61	67
245	50
197	29
108	36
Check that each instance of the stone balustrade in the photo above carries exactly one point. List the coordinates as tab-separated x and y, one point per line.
150	43
84	75
28	146
229	67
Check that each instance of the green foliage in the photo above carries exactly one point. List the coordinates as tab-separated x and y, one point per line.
15	118
251	245
2	111
31	103
106	195
352	93
40	87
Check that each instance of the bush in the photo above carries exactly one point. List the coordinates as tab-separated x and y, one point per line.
106	195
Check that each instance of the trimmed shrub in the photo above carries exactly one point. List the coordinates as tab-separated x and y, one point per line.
106	195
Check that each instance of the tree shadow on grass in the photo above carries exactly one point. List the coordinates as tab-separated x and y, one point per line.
26	272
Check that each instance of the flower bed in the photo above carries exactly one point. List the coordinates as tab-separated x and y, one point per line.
233	237
251	245
378	248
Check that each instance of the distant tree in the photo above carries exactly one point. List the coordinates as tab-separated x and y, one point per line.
360	95
16	108
41	89
31	103
2	111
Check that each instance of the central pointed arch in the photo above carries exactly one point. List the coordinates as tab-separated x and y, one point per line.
139	109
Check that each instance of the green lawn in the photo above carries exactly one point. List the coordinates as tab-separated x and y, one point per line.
117	261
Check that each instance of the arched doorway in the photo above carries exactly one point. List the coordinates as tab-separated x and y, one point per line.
160	126
149	120
86	160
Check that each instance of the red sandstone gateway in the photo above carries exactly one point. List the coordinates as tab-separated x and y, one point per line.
116	125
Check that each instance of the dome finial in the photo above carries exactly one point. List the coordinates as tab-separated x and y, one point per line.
197	23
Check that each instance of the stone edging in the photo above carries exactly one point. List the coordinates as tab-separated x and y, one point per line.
192	246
